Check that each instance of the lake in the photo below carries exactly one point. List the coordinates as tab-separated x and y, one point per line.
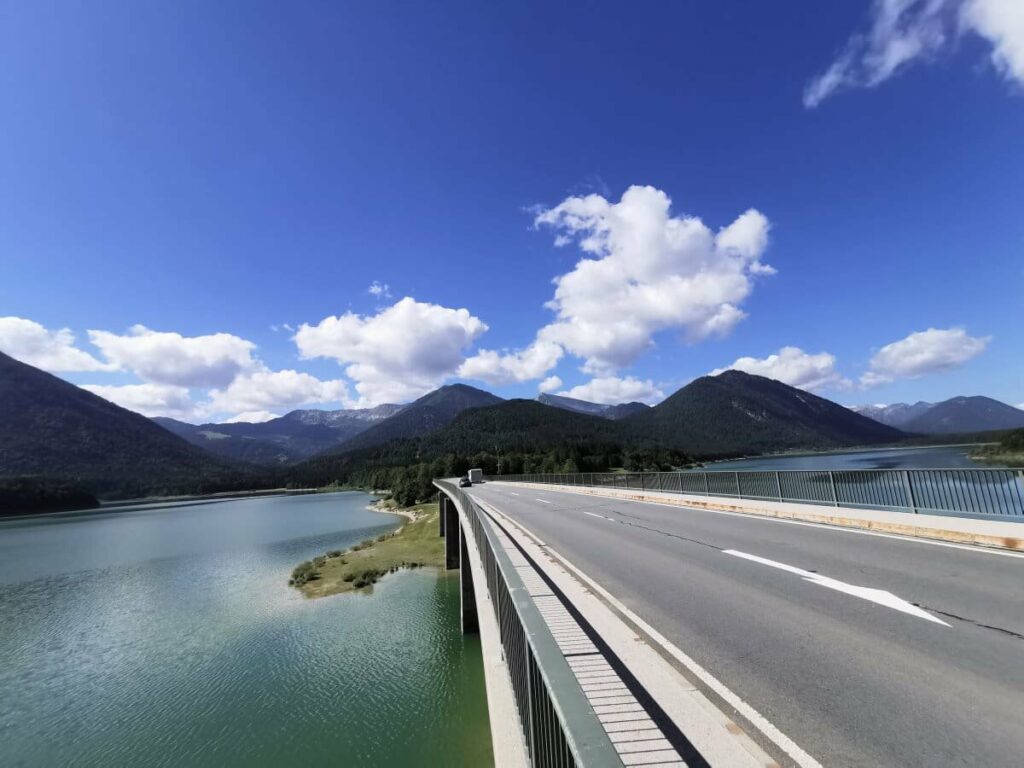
930	457
169	636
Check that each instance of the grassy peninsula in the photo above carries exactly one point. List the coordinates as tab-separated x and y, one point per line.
415	545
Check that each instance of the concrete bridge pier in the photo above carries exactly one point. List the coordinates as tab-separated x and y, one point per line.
455	556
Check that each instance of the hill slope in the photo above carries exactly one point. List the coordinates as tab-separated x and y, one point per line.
52	429
619	411
737	413
966	414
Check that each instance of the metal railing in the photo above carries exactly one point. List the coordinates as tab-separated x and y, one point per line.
968	492
560	728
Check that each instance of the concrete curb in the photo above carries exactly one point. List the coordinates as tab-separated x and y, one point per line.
997	534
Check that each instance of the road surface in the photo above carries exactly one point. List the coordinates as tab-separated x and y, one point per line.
866	650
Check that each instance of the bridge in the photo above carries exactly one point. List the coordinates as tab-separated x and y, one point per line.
746	619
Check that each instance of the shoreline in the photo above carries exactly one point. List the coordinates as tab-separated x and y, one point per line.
414	544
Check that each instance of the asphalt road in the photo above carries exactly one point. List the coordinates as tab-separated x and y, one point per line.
783	615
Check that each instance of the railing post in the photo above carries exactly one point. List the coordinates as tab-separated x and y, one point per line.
643	481
910	491
737	478
707	486
832	485
778	485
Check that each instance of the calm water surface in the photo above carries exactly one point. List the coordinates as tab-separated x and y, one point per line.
169	636
936	457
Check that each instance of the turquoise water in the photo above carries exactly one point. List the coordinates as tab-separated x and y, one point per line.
169	637
936	457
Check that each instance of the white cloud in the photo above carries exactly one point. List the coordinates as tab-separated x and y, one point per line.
647	271
148	399
902	31
402	352
611	390
251	417
261	390
523	365
1001	22
922	353
793	366
379	289
1021	406
54	351
170	358
550	384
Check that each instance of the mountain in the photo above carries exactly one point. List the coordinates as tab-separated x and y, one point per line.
292	437
620	411
737	413
52	429
966	414
896	415
432	411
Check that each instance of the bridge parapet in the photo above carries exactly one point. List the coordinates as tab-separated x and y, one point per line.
984	493
559	725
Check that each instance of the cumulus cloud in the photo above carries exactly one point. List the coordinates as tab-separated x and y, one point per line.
645	271
902	31
54	351
148	399
922	353
793	366
170	358
550	384
523	365
261	390
251	417
611	390
401	352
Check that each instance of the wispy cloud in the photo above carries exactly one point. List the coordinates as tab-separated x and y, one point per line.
901	32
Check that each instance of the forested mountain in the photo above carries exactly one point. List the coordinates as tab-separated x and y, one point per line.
294	436
618	411
513	436
966	414
432	411
50	429
737	413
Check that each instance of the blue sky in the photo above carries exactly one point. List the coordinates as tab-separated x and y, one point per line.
184	186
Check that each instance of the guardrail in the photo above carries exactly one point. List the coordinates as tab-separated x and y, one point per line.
560	728
968	492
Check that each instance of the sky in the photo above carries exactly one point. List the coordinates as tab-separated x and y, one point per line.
216	211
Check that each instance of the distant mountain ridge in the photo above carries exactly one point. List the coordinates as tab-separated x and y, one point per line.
614	412
958	414
433	411
292	437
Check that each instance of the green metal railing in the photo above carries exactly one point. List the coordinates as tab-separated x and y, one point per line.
984	493
560	728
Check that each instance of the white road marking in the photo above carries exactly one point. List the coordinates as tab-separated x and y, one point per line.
594	514
879	596
513	493
759	721
977	548
542	501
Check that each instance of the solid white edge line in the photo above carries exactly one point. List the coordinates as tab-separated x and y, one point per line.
823	526
759	721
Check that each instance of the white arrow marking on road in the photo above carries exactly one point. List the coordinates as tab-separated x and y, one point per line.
879	596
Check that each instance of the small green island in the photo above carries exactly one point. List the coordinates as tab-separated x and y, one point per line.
1009	452
415	545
